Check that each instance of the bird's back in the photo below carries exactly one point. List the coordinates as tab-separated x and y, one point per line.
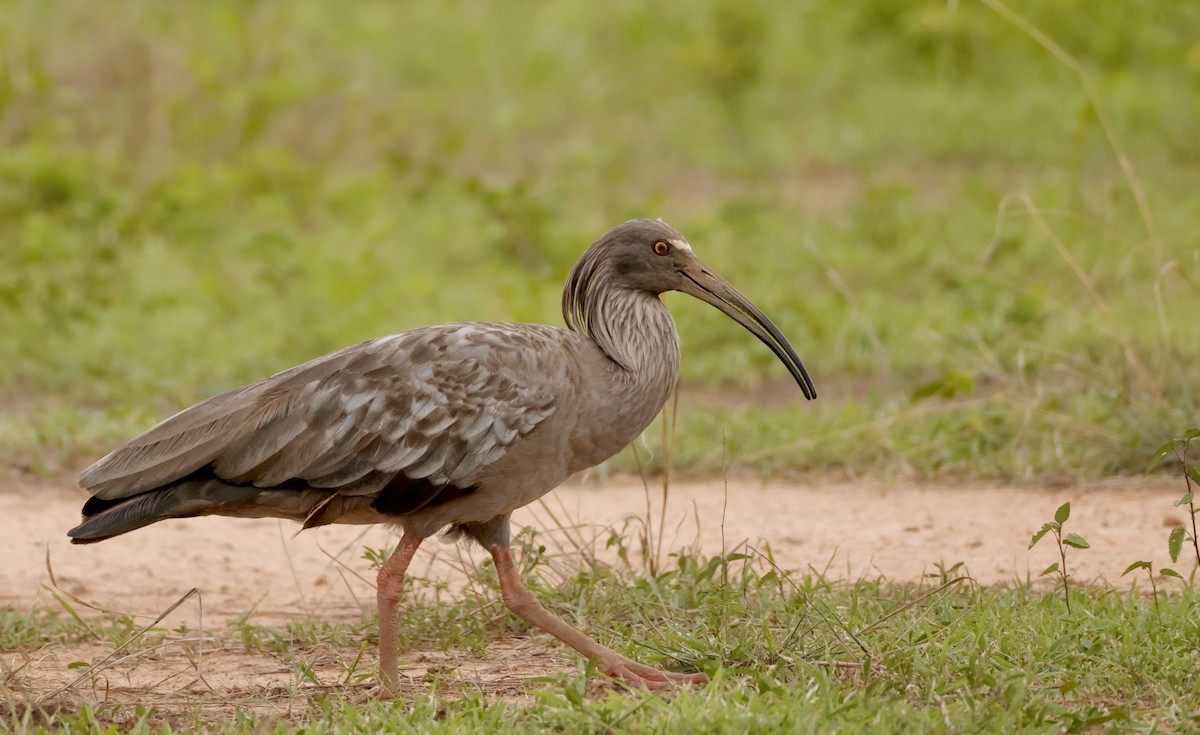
414	415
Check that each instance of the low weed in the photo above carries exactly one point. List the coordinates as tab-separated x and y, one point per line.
1070	540
1178	447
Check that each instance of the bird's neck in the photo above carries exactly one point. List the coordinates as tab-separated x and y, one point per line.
637	335
637	332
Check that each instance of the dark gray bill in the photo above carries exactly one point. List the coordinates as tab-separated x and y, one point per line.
707	286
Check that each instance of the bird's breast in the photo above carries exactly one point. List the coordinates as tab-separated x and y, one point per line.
616	405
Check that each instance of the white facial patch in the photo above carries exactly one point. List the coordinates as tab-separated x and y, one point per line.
681	245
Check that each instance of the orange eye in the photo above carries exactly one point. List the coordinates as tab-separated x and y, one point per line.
661	248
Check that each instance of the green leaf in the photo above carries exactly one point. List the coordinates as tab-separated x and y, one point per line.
1163	451
1192	433
1194	473
1038	536
573	695
1076	541
1136	565
1185	500
1049	570
1063	513
1175	543
1169	572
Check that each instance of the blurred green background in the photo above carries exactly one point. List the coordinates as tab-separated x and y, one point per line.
925	199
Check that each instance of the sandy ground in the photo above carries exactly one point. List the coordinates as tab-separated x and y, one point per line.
846	529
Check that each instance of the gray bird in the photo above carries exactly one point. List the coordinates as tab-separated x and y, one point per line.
452	426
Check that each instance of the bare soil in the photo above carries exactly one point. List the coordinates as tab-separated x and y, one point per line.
845	529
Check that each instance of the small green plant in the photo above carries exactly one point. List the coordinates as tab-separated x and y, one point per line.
375	558
1073	540
1149	567
1179	447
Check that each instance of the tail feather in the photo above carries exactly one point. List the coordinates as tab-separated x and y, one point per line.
104	519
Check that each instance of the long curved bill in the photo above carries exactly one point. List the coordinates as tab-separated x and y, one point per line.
705	285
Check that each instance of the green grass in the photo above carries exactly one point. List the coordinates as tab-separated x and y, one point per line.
786	652
195	196
929	202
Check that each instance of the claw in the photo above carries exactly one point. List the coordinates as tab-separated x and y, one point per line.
635	674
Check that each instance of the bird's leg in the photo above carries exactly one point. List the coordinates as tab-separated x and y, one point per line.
520	600
389	584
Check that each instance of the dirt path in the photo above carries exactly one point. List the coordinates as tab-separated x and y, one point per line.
849	529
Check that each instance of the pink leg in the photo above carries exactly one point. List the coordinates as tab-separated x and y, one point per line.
520	600
389	584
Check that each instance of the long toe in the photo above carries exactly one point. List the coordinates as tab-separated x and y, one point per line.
631	672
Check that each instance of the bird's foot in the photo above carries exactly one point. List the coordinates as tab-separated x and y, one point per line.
635	674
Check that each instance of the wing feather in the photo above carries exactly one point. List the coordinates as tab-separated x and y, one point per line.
263	443
437	404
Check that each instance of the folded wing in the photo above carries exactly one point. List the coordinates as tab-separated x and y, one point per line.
435	404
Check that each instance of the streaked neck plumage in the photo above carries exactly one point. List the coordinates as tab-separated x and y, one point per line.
632	327
636	335
636	332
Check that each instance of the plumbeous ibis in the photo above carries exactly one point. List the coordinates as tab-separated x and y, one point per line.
452	427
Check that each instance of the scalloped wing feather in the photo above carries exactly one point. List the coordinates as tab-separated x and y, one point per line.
439	403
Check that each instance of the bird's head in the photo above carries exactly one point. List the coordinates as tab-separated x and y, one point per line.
651	256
